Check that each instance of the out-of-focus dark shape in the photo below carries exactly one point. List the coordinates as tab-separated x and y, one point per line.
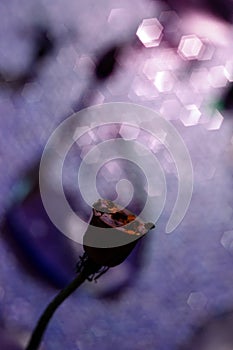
8	344
220	8
226	102
214	334
43	46
107	63
105	66
37	243
11	339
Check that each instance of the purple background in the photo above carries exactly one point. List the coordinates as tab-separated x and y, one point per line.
187	275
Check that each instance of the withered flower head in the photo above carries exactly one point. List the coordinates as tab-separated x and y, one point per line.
112	233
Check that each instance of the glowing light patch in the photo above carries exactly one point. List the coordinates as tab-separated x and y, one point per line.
190	47
150	32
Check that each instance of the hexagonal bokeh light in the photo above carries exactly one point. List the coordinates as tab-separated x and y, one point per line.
215	121
191	116
150	32
229	70
197	300
227	240
217	77
164	81
190	47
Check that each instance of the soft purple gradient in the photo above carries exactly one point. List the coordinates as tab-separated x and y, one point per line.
186	276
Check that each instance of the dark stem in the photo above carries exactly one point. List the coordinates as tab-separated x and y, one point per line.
42	324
